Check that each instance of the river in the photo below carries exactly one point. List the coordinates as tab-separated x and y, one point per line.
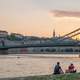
16	65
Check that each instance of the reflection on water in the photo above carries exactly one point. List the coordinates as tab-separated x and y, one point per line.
32	64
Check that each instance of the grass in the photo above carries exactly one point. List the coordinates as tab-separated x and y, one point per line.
75	76
56	77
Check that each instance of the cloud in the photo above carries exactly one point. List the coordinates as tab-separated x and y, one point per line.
61	13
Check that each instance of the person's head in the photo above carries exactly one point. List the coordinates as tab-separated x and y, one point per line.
58	63
71	64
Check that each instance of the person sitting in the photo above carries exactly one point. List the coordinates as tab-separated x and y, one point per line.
57	69
71	69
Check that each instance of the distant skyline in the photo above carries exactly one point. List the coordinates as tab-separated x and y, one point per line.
39	17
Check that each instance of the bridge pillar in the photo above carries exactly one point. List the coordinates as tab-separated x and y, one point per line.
3	52
79	55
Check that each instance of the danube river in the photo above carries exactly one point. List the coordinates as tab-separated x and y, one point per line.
34	64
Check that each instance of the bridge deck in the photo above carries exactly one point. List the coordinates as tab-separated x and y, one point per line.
38	45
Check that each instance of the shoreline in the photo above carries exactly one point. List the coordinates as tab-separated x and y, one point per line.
44	55
71	76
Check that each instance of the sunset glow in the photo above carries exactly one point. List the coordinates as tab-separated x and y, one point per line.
33	17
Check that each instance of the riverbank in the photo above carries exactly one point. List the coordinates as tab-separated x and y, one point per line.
75	76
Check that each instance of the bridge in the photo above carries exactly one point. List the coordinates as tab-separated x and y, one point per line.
58	43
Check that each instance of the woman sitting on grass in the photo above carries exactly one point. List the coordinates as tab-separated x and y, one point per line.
71	69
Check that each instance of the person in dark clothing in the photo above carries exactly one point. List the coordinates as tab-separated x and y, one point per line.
57	69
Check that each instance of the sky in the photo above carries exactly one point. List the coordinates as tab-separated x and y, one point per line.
39	17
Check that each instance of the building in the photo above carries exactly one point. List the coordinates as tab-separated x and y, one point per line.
3	34
17	36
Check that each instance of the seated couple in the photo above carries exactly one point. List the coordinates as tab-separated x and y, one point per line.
58	69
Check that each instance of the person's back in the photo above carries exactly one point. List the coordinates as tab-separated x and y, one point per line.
57	69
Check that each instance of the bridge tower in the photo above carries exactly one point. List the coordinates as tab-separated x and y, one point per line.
53	33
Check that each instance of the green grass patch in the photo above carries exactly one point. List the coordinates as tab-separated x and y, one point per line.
75	76
56	77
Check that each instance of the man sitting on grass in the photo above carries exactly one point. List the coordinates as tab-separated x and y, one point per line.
58	69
